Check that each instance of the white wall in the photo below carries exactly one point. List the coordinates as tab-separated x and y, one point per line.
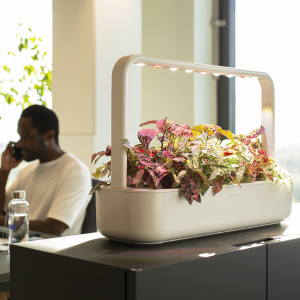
178	30
205	86
73	87
118	33
89	36
167	33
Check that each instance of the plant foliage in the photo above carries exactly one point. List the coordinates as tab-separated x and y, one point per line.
195	159
27	76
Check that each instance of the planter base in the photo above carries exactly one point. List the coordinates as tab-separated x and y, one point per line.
150	216
196	236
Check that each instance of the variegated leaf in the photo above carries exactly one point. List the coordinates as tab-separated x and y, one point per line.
98	186
190	190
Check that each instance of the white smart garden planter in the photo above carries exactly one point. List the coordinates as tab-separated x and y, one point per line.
162	215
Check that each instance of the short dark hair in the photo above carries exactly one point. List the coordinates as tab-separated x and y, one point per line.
42	118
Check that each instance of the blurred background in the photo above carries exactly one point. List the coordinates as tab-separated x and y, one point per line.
82	39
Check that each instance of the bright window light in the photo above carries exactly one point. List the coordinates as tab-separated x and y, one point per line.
264	48
39	18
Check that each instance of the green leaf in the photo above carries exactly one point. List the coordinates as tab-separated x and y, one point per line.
41	82
26	98
32	39
35	57
5	68
26	43
9	99
13	90
30	69
202	181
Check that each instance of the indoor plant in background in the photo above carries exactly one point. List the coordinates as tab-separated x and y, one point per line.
194	159
26	77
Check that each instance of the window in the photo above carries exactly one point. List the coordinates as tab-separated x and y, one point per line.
39	17
266	40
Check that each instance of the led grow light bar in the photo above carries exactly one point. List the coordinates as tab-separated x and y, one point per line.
119	98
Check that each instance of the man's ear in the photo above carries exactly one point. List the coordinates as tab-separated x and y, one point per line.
49	135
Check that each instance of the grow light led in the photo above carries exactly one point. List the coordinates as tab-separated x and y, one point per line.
197	71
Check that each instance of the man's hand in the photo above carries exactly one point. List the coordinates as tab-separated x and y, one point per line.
50	226
8	161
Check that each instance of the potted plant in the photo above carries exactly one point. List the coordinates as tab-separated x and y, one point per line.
236	181
194	159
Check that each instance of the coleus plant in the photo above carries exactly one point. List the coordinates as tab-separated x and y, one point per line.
194	159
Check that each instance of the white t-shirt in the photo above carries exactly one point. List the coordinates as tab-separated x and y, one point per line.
57	189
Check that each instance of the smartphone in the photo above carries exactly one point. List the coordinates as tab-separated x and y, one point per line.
17	153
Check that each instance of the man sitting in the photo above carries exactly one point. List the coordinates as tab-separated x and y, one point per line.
57	184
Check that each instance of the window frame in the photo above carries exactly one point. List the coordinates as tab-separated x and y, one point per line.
226	86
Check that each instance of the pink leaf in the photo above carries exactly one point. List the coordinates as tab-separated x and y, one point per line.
179	159
99	154
217	185
161	125
181	130
147	123
154	181
190	189
167	181
139	176
108	151
146	136
257	132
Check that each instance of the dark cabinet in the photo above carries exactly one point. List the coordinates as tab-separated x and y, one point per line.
247	264
283	268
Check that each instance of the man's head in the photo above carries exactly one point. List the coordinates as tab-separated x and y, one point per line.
38	129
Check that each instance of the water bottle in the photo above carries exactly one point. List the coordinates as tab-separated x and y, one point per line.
18	222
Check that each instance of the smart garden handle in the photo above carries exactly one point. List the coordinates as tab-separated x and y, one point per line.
119	98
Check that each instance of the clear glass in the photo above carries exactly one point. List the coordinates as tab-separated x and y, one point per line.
18	222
